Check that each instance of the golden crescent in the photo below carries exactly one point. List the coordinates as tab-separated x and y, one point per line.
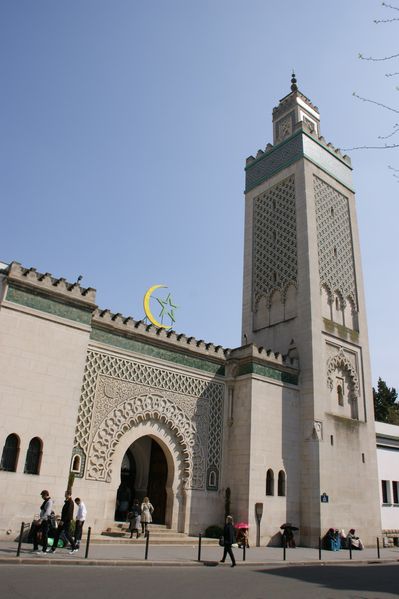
147	309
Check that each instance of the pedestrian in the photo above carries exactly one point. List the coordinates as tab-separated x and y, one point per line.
41	525
79	521
134	518
64	524
147	510
228	540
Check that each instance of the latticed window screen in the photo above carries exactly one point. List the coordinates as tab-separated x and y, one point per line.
334	241
274	238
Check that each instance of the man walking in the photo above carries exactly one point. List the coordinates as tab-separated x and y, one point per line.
80	520
42	525
228	540
64	524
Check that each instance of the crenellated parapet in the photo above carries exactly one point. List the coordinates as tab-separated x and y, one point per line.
119	324
254	360
69	301
45	283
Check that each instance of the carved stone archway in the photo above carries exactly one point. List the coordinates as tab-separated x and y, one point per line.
340	361
130	413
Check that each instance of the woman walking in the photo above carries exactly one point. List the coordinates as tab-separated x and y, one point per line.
146	514
229	539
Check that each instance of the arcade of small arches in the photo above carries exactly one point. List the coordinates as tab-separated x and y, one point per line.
339	309
281	483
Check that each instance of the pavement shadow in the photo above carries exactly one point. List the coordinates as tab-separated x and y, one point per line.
378	578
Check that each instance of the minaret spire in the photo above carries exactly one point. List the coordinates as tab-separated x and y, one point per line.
294	86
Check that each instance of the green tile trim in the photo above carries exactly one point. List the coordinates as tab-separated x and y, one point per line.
33	299
274	172
298	156
129	344
274	149
269	371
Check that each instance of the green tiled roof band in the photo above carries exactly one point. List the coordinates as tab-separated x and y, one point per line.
276	170
32	299
155	352
272	373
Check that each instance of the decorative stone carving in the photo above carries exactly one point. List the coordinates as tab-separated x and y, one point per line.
275	245
130	413
334	241
110	382
317	430
341	362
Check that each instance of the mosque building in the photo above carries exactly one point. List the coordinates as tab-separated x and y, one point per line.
278	429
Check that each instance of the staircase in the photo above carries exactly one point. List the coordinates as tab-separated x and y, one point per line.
159	535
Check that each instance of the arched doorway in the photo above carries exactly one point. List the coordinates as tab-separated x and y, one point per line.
144	472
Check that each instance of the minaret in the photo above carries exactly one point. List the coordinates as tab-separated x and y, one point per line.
303	297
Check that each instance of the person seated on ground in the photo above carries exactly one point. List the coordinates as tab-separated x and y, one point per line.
329	540
353	541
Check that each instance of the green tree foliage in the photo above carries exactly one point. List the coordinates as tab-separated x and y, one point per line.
386	408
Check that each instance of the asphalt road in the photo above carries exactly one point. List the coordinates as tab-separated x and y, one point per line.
99	582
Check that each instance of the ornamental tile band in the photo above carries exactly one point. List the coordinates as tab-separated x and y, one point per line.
32	299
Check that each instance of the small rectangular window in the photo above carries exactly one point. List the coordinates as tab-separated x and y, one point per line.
332	439
395	491
385	491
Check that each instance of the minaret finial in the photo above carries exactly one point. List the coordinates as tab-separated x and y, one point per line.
294	86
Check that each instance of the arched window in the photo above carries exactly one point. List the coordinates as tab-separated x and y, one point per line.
76	461
9	457
270	482
33	456
281	484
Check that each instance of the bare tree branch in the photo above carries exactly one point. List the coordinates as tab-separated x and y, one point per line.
377	59
393	169
374	102
390	6
385	20
391	74
385	147
396	129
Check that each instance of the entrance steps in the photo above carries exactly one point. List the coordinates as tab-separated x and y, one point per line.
159	535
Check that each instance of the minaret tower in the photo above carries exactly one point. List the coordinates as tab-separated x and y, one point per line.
303	297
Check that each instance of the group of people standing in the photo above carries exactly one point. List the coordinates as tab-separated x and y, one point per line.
140	516
47	523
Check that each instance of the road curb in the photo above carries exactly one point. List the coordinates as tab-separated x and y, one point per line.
164	563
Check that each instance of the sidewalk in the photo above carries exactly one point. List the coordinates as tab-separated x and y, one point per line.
187	555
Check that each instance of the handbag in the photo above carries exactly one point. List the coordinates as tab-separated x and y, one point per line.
221	542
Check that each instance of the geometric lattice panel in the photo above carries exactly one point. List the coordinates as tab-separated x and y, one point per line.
334	241
154	378
274	239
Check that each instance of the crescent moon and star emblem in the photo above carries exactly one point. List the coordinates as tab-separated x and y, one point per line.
167	308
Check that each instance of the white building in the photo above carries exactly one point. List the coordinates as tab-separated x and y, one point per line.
388	471
283	423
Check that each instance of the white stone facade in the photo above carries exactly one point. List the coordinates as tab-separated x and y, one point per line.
236	428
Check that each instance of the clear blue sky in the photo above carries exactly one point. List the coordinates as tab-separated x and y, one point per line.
124	128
